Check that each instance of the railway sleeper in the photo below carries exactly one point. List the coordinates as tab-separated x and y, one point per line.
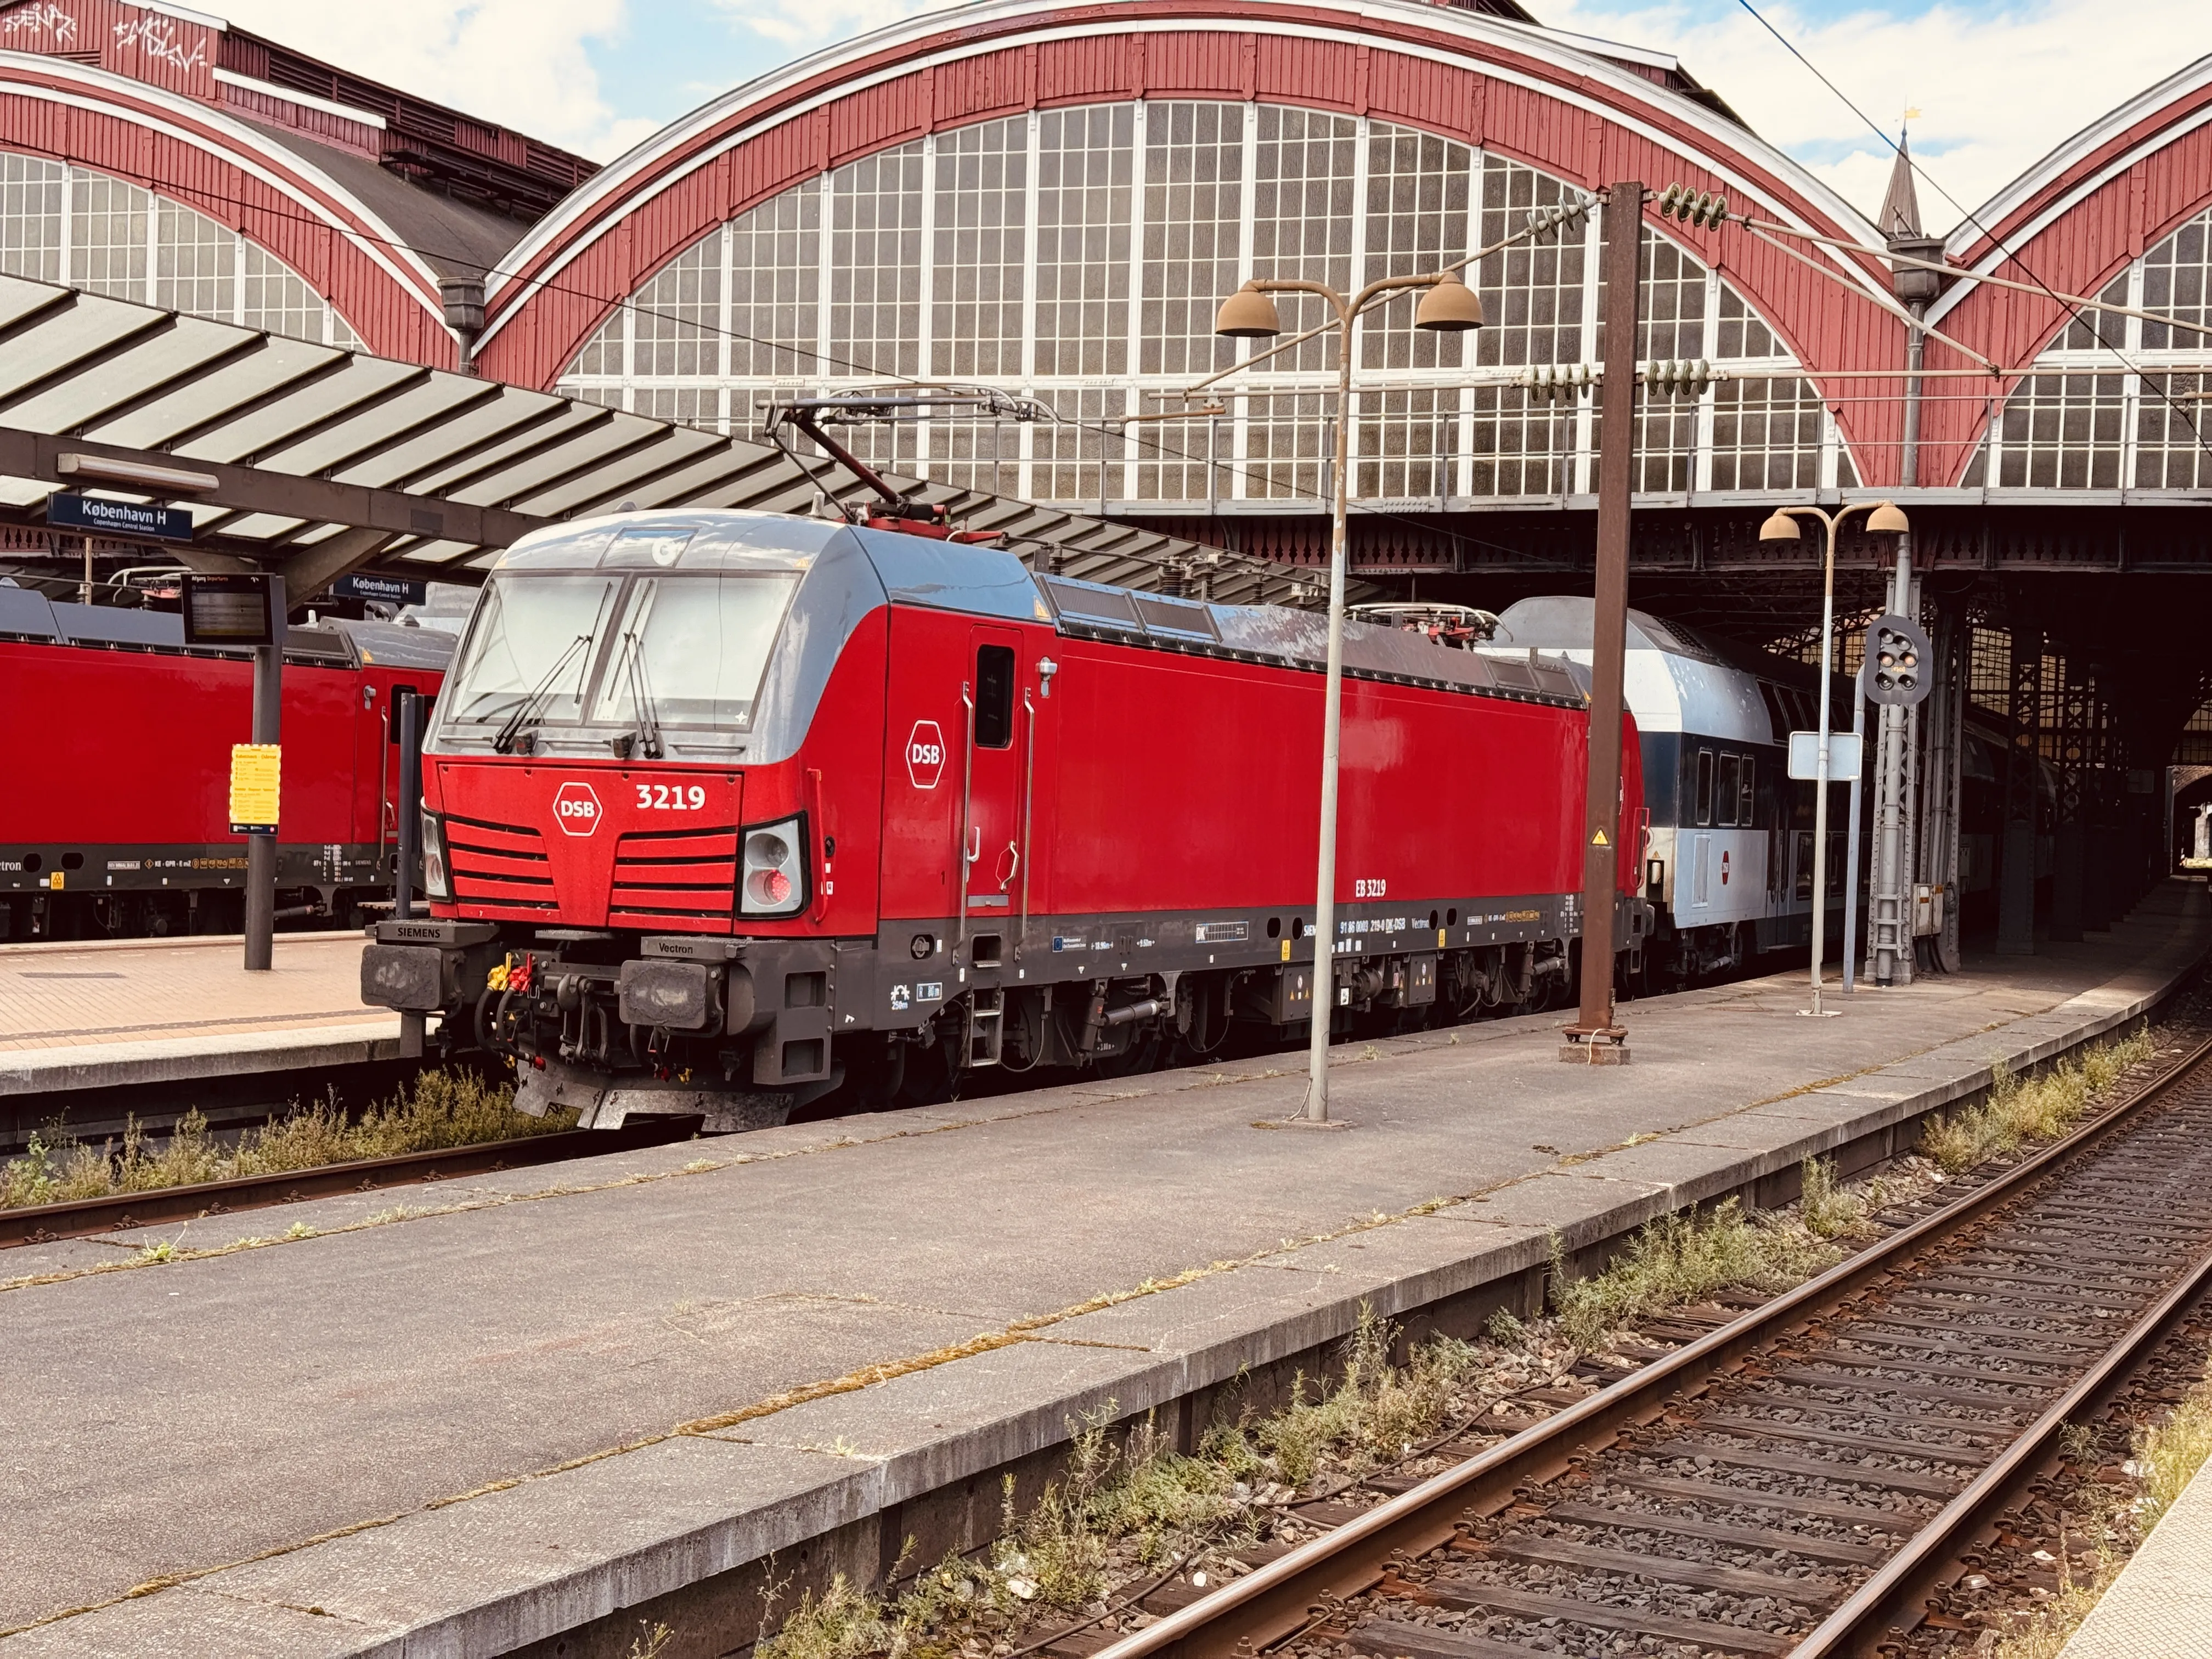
1463	1594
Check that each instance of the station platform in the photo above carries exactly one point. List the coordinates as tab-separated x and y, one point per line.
114	1013
530	1408
2161	1606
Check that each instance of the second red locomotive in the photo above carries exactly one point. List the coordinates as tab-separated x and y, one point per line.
723	808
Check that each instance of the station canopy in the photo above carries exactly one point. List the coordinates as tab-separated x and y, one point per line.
313	461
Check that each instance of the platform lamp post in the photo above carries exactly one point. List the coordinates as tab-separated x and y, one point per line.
1448	306
1884	518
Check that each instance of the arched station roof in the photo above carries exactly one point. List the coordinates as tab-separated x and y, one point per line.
2076	221
1576	109
365	197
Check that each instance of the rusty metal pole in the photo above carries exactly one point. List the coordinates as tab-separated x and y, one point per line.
1594	1037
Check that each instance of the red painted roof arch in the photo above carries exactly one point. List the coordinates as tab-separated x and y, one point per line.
2074	221
1506	87
178	147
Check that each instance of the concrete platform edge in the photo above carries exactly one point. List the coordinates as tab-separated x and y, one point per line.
1151	1353
195	1059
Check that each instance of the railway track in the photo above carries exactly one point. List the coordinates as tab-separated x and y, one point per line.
1802	1479
82	1217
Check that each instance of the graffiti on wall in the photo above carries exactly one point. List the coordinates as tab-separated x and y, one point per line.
156	37
47	19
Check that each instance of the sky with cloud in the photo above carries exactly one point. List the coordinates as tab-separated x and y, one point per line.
1997	85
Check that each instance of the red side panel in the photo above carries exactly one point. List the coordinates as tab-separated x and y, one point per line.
108	746
1168	782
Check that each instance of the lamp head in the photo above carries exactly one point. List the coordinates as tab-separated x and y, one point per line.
1450	306
1248	314
1779	527
1888	520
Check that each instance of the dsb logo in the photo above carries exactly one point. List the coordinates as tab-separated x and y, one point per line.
925	755
576	808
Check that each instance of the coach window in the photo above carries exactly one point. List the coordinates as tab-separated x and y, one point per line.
1704	795
995	696
1731	771
1747	812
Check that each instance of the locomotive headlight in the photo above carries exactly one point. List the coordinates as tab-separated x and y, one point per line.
436	881
774	880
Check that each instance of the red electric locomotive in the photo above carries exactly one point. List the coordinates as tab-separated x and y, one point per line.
722	809
116	750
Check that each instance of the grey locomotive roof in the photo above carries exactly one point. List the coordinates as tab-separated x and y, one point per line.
27	614
988	581
1562	622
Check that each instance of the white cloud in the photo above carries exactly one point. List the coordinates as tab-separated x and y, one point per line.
807	24
1997	88
525	64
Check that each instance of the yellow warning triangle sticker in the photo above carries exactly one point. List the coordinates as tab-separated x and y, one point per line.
1599	840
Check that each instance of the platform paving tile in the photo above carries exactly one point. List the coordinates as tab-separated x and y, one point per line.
2161	1606
1225	1323
926	1428
544	1555
110	1011
272	1394
191	1622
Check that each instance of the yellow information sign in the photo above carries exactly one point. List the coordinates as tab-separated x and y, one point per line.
254	770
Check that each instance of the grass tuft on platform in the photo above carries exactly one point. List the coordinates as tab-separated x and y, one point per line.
1128	1507
1684	1258
440	1109
2036	1108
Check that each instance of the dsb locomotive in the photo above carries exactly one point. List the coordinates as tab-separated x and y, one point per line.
721	810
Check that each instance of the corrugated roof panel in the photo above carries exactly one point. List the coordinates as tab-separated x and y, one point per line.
275	362
258	428
390	418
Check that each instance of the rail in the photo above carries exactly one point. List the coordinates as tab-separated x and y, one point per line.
1303	1589
81	1217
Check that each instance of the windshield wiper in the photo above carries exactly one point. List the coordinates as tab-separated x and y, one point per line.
648	721
525	712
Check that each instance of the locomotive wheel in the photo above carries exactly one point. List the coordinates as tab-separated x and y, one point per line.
924	1075
1142	1055
878	1081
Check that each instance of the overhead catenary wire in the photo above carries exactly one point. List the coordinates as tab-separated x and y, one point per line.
1967	214
1537	226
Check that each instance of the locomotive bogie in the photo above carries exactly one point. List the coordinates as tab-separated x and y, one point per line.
968	818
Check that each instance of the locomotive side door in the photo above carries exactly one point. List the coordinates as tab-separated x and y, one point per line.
993	834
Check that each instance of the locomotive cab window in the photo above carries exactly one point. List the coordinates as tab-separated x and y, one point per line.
1731	773
691	650
1704	795
995	696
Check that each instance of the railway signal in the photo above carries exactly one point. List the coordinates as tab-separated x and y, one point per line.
1899	660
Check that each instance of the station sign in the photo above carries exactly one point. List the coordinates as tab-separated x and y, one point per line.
69	511
389	590
229	609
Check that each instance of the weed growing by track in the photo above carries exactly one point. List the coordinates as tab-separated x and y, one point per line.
441	1108
2039	1109
2166	1456
1125	1512
1685	1258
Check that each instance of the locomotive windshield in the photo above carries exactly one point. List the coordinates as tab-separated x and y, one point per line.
530	650
690	649
633	653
